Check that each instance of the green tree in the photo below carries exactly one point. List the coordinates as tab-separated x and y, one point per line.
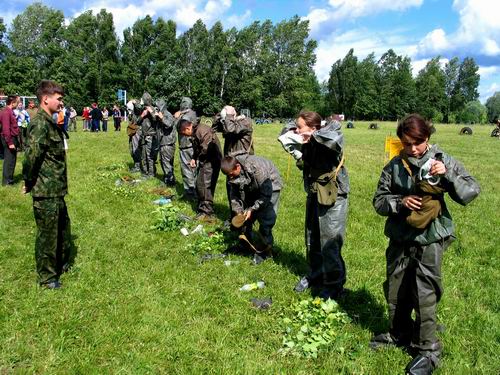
366	106
430	88
473	113
37	33
452	89
343	84
493	107
396	86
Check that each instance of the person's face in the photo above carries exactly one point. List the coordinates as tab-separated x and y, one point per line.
413	147
187	129
19	105
235	172
54	103
302	126
15	103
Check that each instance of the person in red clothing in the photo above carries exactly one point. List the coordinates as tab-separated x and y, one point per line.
10	139
86	119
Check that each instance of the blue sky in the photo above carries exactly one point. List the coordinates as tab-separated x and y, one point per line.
420	29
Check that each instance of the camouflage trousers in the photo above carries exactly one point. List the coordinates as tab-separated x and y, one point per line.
188	173
54	248
414	283
324	233
167	155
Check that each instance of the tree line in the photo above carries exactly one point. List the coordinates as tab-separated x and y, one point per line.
265	67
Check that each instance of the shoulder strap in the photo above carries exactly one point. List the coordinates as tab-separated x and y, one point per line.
339	166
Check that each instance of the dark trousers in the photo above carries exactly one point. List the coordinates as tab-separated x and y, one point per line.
104	125
324	233
266	217
414	284
53	245
95	125
167	155
206	181
118	125
149	147
9	162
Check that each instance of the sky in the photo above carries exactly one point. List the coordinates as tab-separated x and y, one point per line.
420	29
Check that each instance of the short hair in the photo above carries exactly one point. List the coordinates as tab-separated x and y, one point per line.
11	98
47	87
312	119
416	127
228	164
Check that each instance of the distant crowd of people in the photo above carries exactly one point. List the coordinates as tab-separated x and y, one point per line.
94	117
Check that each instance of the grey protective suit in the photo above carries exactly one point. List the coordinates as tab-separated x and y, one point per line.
414	255
134	141
149	139
186	146
325	225
168	135
257	188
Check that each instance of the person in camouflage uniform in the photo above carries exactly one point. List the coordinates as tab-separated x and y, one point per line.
45	177
134	133
414	255
168	135
186	148
254	191
322	154
207	155
149	136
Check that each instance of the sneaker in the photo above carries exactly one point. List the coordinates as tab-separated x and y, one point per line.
302	285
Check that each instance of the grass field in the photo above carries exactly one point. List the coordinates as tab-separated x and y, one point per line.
137	301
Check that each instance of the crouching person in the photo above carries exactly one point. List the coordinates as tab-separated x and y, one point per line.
254	191
207	156
45	176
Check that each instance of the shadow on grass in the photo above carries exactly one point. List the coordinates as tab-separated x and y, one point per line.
364	310
296	263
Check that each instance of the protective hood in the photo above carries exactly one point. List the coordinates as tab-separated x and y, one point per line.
161	104
186	103
146	99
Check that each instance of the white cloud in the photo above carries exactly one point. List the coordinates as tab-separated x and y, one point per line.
185	13
478	32
339	10
488	71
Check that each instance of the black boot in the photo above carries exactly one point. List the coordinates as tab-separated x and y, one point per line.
420	365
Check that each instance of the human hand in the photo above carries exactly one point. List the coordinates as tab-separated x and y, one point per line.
145	112
437	168
24	190
160	115
412	202
12	147
192	163
177	114
248	214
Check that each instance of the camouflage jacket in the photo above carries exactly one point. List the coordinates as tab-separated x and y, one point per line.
254	187
237	133
322	154
206	146
44	165
396	183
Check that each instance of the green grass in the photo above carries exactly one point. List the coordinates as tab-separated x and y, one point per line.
137	301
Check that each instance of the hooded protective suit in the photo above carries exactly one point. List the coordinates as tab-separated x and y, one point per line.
325	224
186	147
149	138
414	255
167	138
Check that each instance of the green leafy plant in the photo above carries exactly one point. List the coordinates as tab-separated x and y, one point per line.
208	243
315	325
167	218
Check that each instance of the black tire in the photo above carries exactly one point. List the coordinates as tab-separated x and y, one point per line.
350	125
373	126
466	131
